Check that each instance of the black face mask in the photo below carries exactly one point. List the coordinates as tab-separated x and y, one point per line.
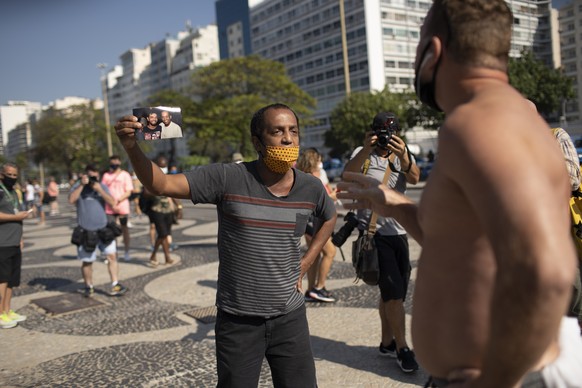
114	166
426	90
9	182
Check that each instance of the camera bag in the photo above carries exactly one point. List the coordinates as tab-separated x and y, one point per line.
91	240
364	251
78	235
365	259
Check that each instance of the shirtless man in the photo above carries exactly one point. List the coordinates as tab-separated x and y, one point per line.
497	264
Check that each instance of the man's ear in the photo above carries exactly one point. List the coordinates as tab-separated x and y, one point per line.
434	53
256	143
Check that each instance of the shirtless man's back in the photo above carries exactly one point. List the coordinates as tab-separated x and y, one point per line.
497	263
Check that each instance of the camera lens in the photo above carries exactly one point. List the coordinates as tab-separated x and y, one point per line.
338	239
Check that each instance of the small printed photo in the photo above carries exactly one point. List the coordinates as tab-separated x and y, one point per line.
159	122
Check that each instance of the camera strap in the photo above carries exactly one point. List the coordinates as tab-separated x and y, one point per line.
374	215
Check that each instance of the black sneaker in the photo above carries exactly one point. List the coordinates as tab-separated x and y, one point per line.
87	291
322	295
389	350
308	298
117	290
406	360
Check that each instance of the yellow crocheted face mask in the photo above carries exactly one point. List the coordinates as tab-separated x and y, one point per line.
280	159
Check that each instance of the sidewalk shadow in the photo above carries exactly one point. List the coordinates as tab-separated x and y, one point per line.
364	358
51	284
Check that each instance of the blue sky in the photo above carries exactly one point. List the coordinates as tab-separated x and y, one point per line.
51	48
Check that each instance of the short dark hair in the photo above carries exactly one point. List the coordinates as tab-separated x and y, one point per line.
160	159
91	167
258	120
476	32
114	157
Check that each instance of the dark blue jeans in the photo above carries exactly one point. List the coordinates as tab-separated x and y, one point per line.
243	342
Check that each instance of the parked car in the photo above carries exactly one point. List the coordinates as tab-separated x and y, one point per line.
333	168
425	168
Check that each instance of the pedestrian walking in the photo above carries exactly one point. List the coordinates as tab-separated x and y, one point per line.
52	191
120	185
94	231
309	162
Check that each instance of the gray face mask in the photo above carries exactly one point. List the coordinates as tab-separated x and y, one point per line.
426	90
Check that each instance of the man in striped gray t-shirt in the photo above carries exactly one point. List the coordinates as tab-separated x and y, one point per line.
263	207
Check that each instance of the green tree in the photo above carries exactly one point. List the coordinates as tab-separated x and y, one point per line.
230	92
546	87
68	140
352	117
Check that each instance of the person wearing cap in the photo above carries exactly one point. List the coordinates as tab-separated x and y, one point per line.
383	149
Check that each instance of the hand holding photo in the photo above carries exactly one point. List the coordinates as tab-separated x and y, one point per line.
160	122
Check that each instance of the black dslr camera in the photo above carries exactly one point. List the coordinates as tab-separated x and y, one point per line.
385	125
338	239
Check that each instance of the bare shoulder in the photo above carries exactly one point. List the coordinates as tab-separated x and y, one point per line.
495	128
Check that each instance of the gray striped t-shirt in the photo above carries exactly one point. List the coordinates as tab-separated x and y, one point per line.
259	235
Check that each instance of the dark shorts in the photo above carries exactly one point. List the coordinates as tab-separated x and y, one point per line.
162	222
394	263
133	196
122	218
10	264
243	342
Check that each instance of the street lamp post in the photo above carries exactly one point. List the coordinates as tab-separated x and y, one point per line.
102	67
345	47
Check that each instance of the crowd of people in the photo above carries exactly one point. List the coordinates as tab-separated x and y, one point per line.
495	276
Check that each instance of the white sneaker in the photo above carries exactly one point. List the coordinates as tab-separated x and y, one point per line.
126	256
129	224
16	317
6	322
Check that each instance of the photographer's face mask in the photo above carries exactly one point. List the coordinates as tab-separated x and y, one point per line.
280	159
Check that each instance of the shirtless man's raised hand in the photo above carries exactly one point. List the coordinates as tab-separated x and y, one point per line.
497	264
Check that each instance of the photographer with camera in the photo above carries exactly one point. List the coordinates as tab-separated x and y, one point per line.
90	197
383	149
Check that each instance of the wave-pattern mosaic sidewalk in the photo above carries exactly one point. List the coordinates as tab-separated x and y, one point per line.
161	333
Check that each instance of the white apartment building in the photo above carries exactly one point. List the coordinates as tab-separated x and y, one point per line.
14	114
571	43
123	91
198	49
19	140
18	118
167	64
382	36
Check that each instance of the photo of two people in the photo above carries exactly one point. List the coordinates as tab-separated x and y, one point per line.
159	122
